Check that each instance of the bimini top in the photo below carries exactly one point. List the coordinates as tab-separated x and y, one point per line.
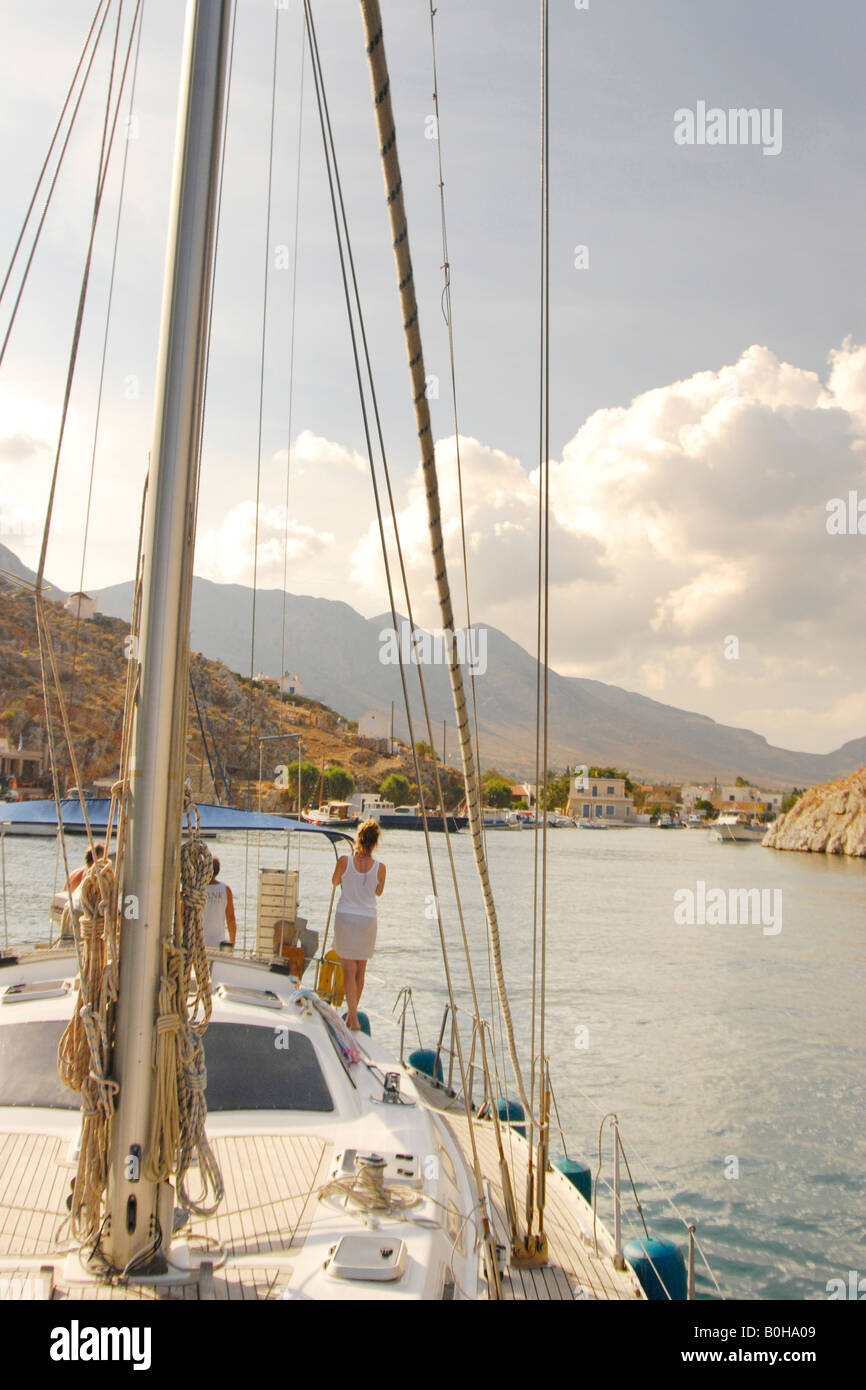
210	817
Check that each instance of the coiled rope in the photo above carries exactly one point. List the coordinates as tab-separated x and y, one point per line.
177	1134
366	1189
84	1053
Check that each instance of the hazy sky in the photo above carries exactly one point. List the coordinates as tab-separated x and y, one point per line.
708	383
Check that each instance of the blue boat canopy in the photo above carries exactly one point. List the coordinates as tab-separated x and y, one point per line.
211	817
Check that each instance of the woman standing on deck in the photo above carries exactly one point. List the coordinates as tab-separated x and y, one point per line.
362	881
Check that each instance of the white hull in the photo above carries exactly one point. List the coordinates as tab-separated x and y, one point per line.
738	834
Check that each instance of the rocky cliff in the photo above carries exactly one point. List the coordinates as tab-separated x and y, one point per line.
828	819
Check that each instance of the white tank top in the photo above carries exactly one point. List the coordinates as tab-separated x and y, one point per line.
214	919
358	895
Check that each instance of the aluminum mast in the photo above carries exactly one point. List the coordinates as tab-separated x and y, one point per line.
140	1211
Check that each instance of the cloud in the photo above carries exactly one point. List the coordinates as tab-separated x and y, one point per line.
16	448
710	497
311	450
500	510
226	554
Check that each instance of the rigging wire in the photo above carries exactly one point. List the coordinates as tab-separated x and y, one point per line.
336	192
291	401
404	579
397	216
47	158
544	478
448	315
265	286
104	156
52	186
46	650
539	888
137	19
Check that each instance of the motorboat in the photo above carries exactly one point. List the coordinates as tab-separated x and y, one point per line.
334	814
732	829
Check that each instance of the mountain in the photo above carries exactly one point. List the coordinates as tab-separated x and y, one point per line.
339	656
9	561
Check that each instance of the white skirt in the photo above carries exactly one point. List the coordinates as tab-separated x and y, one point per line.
354	935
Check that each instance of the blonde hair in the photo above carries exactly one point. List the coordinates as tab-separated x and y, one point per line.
368	837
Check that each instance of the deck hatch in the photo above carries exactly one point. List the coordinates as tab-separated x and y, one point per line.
364	1257
27	991
240	994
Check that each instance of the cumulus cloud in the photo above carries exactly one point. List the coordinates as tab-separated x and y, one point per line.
312	450
227	554
709	497
500	509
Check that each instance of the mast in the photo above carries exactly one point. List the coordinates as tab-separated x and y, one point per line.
140	1211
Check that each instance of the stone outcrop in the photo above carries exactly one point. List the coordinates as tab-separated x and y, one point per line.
827	819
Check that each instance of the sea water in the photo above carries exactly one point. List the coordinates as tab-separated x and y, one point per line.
732	1054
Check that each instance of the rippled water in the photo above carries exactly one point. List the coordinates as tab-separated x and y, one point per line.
712	1043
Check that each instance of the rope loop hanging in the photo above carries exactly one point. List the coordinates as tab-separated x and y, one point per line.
84	1052
179	1113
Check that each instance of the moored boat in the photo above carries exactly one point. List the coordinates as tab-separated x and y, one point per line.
732	829
334	814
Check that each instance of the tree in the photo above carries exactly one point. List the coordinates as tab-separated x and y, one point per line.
497	792
791	799
557	791
423	749
395	788
287	781
706	809
339	784
741	782
452	790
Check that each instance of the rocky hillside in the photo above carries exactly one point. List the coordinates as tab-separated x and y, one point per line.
829	819
92	665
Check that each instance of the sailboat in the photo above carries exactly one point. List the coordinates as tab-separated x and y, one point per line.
217	1131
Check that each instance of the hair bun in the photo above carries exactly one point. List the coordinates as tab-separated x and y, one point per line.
368	835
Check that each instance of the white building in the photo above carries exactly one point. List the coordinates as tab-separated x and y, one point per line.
290	684
600	798
376	723
736	798
769	801
691	794
81	605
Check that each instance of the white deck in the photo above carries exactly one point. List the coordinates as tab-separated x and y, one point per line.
574	1270
273	1233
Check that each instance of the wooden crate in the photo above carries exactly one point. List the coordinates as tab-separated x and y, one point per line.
277	902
